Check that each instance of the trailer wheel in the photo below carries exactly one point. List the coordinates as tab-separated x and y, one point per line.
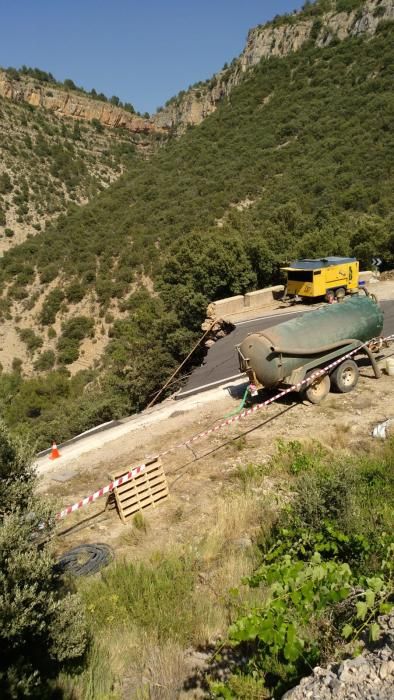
345	377
340	293
318	390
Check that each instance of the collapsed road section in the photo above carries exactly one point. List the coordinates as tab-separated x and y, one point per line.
221	363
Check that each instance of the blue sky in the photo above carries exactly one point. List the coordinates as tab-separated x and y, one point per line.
143	51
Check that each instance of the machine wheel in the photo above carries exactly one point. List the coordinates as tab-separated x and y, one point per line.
318	390
340	293
345	377
329	296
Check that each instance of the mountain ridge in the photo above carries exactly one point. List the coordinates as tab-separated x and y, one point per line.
321	23
73	104
278	38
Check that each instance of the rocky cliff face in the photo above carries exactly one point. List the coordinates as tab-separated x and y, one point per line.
73	104
274	39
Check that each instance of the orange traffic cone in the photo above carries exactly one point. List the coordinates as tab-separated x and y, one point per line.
55	452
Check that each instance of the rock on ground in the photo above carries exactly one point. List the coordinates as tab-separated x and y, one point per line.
369	676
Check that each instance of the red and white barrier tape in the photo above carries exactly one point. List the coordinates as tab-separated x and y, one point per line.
229	421
101	492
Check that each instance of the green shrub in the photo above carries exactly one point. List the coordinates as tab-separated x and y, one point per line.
68	350
326	569
74	292
32	341
51	306
42	625
97	125
322	494
73	332
77	328
348	5
146	595
379	11
48	273
45	361
17	365
316	29
5	183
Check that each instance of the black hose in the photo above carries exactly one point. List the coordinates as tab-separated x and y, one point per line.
85	559
363	289
373	362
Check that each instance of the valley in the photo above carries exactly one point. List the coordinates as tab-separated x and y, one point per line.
273	554
147	256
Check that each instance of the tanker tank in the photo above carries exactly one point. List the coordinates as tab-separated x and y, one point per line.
272	355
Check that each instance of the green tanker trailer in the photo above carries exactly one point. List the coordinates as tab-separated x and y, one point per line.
289	352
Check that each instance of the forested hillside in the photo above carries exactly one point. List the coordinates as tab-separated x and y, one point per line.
299	160
48	163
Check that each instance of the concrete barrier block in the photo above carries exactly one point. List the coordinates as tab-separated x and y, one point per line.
226	307
262	297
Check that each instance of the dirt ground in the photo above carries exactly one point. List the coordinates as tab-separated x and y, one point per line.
198	478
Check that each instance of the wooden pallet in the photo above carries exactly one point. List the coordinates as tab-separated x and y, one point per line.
144	491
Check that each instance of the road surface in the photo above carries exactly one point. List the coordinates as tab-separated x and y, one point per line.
221	362
117	430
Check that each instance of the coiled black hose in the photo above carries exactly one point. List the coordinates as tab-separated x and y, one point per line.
85	559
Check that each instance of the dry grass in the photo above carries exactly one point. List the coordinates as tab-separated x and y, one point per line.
236	515
228	554
141	668
341	435
145	616
163	669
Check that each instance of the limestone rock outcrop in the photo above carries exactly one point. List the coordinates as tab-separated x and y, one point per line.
266	41
73	104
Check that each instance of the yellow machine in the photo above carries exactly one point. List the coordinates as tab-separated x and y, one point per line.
325	277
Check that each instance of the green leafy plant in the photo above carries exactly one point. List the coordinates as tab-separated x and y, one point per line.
320	580
296	592
375	598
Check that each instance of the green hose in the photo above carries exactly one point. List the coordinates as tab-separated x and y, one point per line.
241	406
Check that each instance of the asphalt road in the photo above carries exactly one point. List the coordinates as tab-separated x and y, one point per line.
221	361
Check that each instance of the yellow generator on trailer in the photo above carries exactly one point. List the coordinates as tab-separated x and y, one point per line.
325	277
